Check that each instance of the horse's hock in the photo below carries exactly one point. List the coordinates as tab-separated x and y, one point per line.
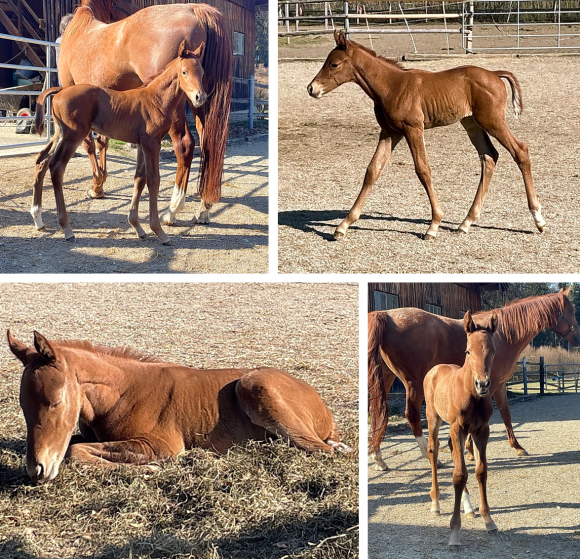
533	499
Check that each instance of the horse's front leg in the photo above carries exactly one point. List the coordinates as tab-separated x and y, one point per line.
183	145
140	180
480	441
98	178
459	481
501	400
414	137
434	422
387	143
151	150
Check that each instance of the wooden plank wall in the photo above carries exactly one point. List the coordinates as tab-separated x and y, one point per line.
453	298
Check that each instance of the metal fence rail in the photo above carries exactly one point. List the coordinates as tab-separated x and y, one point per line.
541	378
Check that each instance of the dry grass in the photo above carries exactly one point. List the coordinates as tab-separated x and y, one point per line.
259	501
552	355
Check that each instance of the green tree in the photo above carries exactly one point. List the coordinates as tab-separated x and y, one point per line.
261	56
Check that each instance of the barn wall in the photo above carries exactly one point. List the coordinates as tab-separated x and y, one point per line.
453	298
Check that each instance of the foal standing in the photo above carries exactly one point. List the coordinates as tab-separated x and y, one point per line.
460	396
140	116
408	102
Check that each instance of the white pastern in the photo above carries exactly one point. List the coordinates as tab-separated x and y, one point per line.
36	213
176	205
341	447
467	508
538	218
422	442
380	464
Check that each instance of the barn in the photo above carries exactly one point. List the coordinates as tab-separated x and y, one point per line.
39	19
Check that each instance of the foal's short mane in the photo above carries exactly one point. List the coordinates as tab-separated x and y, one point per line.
122	352
389	61
522	317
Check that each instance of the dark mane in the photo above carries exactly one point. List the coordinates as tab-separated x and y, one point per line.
122	352
390	61
522	317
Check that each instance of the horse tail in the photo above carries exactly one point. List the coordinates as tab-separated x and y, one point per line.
378	409
516	91
213	116
39	115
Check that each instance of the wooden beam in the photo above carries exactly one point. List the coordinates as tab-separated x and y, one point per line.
30	54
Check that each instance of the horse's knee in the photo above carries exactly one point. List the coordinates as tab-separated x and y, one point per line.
459	478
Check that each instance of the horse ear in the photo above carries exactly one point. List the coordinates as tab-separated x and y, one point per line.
493	322
468	324
567	292
43	346
183	48
198	52
340	38
19	349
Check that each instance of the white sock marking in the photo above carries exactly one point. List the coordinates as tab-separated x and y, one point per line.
422	442
467	508
36	213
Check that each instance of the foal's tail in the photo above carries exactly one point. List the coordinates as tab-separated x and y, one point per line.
39	116
516	91
378	409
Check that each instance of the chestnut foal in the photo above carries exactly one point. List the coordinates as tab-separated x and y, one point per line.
460	396
140	116
408	102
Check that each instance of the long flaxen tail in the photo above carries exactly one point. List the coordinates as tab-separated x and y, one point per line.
39	116
378	409
516	91
213	116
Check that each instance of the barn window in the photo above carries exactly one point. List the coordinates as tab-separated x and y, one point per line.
385	301
434	309
238	44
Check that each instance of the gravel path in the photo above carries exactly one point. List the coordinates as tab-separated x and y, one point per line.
534	500
325	147
235	242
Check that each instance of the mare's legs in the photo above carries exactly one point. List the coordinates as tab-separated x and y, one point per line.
183	145
204	207
480	441
414	399
416	143
387	143
99	175
459	481
433	449
488	156
140	180
378	431
501	400
42	161
151	149
495	124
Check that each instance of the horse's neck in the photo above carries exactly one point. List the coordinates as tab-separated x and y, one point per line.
166	89
373	75
467	378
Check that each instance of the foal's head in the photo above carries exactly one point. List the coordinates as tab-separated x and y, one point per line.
50	398
191	73
480	351
337	68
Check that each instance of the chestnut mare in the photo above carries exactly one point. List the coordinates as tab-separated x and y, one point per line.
126	54
135	409
408	102
141	116
460	396
407	343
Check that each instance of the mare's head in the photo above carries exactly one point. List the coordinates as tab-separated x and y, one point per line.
337	68
120	9
191	73
566	326
50	398
480	351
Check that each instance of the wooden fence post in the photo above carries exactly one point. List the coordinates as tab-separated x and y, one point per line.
346	22
525	370
542	375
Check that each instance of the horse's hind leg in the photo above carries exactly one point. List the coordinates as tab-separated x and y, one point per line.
378	427
151	150
98	176
501	400
183	145
519	151
416	143
488	156
387	143
42	162
413	415
140	180
480	441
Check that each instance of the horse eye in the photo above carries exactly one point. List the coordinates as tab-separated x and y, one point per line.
184	73
468	352
333	65
55	404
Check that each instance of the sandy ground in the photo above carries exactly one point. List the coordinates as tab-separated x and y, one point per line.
325	147
235	242
534	500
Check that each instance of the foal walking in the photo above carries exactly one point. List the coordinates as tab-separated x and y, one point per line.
408	102
140	116
460	396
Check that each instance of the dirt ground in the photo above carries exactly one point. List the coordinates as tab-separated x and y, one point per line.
534	500
309	330
325	146
236	240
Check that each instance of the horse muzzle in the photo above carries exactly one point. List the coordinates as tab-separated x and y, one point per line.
315	91
482	386
198	99
43	470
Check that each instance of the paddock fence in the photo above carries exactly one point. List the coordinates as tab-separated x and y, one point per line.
484	26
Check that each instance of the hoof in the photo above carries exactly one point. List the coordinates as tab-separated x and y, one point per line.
381	467
460	231
428	237
454	547
469	514
522	452
541	228
43	228
166	219
338	235
143	236
70	239
96	195
493	532
436	513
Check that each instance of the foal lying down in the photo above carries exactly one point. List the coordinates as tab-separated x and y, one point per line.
140	116
135	409
460	396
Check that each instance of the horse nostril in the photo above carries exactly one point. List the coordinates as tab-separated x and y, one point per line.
39	471
309	89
